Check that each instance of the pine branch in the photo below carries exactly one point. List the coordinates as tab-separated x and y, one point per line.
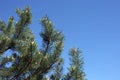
37	71
23	68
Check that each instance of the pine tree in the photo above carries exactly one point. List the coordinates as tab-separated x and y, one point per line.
21	59
27	62
76	66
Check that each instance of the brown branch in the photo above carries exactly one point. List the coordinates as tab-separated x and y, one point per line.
22	70
2	51
47	47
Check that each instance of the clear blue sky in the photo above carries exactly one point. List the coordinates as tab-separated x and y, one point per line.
91	25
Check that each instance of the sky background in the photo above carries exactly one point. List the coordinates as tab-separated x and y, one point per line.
91	25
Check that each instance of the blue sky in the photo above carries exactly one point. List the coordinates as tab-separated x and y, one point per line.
91	25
